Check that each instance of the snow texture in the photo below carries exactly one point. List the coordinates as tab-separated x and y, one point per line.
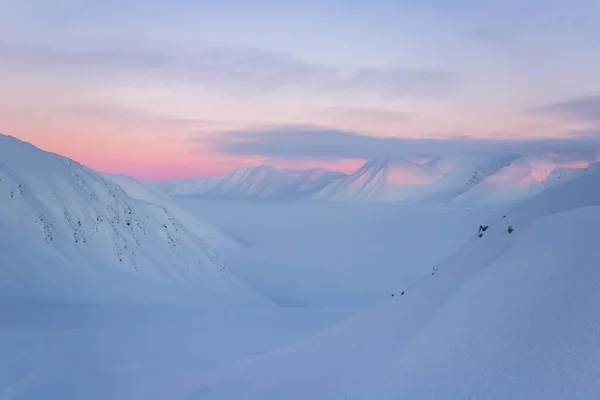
521	179
68	233
468	180
366	183
209	234
260	182
562	175
509	315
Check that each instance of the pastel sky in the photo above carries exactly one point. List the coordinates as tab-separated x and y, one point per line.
175	88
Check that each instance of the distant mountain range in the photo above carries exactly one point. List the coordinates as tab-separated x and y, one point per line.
263	181
510	314
467	180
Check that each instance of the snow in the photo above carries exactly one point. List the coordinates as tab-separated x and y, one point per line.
209	234
366	183
507	316
68	233
259	182
317	263
110	291
459	174
562	175
337	255
466	180
521	179
583	192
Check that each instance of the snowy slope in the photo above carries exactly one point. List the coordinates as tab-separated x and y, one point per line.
562	175
468	180
68	233
582	192
507	316
460	174
260	182
146	193
367	183
521	179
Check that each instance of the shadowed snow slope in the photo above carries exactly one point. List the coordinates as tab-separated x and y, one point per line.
460	174
561	175
367	183
260	182
467	180
507	316
582	192
521	179
68	233
140	191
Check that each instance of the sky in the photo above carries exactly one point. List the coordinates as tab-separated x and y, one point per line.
161	89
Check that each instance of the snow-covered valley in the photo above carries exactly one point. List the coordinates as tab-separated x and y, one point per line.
112	289
348	255
317	263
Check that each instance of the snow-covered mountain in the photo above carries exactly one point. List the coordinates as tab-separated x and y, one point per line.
68	233
460	174
519	180
367	183
468	180
260	182
451	177
560	175
211	235
510	315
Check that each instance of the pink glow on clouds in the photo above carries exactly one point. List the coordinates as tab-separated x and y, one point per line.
141	159
151	159
146	156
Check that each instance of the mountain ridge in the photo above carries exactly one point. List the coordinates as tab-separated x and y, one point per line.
469	180
82	237
499	304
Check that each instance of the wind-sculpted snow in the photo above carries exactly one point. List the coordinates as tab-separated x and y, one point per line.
69	233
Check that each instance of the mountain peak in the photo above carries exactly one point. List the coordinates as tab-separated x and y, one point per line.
364	184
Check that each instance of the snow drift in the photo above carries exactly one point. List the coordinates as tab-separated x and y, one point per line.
68	233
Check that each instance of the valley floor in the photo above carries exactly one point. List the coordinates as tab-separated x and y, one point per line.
318	263
337	255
